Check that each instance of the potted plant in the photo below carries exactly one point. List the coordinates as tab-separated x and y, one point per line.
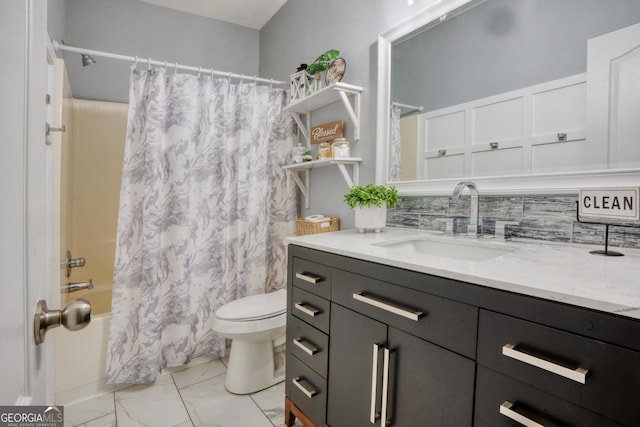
321	64
370	203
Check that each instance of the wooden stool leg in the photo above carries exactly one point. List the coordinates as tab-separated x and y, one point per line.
289	417
291	412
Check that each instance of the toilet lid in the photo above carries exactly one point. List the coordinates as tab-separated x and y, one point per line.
255	307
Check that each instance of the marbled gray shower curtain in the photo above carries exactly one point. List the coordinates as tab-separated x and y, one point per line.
204	209
394	164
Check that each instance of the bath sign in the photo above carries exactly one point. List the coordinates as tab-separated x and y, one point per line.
610	203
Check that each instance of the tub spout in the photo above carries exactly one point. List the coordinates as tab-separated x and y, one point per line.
78	286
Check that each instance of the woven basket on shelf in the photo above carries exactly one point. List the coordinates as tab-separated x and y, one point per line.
304	227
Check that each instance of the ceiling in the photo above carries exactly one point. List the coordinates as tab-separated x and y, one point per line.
248	13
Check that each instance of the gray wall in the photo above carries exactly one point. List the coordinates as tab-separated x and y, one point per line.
502	45
136	28
303	29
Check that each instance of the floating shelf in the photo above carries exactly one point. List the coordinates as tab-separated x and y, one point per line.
325	96
304	168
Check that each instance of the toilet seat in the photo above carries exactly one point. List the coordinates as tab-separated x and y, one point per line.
254	307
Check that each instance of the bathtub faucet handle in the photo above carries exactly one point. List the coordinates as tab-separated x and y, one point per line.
78	286
70	262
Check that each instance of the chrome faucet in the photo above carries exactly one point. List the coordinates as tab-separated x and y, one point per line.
72	287
473	229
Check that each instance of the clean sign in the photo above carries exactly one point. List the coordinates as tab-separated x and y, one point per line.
610	203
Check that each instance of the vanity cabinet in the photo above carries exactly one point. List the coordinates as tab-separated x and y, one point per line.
414	349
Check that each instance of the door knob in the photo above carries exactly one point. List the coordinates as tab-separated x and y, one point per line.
74	316
70	262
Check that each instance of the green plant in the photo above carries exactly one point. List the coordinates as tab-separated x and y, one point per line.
371	195
322	62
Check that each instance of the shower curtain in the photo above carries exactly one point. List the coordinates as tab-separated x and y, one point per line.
204	209
394	172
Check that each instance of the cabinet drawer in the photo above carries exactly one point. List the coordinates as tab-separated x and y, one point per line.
312	277
450	324
310	308
307	390
308	344
595	375
498	398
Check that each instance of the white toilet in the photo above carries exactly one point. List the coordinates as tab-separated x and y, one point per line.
256	324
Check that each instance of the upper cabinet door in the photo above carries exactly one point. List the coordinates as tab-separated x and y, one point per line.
613	98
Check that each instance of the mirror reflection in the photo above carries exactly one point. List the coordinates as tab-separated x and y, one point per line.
516	87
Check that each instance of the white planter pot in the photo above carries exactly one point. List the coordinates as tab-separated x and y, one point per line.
371	217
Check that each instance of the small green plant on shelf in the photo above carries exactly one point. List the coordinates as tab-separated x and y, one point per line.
322	62
371	195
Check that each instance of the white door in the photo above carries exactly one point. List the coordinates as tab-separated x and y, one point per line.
613	98
25	227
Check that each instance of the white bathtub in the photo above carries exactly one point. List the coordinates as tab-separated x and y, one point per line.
80	356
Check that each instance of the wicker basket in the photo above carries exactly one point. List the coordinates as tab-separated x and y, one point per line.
304	227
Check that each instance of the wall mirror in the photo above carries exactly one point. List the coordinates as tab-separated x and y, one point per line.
520	96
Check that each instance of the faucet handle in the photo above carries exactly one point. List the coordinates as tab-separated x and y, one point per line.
501	229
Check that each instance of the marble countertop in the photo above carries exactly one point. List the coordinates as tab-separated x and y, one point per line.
556	271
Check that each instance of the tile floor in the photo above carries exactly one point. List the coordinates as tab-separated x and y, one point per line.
194	396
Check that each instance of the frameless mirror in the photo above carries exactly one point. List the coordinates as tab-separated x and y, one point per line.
518	95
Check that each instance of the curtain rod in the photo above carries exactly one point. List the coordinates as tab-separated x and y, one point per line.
57	46
413	107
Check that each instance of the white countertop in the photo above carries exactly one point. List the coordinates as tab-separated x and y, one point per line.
556	271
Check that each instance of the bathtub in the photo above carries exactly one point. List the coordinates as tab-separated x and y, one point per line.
80	356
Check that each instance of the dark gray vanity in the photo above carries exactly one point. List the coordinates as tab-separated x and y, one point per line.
368	342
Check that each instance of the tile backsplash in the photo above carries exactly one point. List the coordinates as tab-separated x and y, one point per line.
539	217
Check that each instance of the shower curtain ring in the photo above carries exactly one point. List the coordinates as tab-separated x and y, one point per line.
271	84
212	74
199	71
241	78
255	80
135	63
165	66
175	68
149	63
229	78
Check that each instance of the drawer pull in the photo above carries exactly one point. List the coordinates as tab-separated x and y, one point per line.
409	314
313	312
505	409
309	350
307	392
578	375
307	277
374	383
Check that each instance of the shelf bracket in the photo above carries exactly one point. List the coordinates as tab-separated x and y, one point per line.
303	184
345	174
303	128
354	111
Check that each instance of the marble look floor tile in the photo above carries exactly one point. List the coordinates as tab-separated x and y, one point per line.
197	373
157	405
88	410
210	404
271	402
106	421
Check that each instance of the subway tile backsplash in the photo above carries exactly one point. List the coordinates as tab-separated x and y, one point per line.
550	218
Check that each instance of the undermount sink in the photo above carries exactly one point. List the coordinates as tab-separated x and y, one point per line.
467	250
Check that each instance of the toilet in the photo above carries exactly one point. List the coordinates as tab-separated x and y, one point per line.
255	324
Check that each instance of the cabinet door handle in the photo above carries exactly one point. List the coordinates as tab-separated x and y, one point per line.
309	350
578	375
409	314
307	392
313	312
505	409
384	421
307	277
374	383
